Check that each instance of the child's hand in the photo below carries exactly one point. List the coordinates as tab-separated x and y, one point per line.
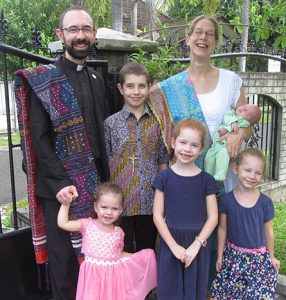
275	263
222	131
218	263
178	251
235	127
191	253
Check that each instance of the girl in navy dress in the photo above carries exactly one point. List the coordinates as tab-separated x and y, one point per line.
247	268
185	213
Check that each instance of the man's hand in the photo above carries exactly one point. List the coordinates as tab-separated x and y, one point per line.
67	194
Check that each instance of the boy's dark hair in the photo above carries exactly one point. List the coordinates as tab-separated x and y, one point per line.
71	9
133	68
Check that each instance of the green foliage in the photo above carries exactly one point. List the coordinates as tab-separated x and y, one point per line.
23	203
100	11
226	63
158	64
189	8
4	139
267	19
279	232
24	15
210	7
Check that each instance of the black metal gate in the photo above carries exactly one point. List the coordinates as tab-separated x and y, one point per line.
12	58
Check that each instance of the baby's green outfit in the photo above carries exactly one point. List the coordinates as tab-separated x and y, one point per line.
217	158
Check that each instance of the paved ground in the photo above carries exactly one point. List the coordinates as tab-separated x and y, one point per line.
5	179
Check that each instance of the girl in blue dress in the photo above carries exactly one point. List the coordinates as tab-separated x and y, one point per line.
185	214
246	265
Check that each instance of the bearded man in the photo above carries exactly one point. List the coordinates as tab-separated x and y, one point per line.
61	108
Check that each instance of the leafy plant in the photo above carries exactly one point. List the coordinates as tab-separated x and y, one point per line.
267	20
279	232
4	139
23	203
159	64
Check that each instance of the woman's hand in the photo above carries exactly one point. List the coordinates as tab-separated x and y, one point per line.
234	141
233	144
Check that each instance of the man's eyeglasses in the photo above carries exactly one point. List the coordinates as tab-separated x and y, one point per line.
199	33
76	29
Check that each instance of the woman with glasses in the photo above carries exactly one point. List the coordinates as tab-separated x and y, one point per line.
202	92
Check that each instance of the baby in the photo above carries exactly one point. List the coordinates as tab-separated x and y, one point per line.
217	158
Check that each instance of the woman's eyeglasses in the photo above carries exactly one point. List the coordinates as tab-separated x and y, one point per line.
199	33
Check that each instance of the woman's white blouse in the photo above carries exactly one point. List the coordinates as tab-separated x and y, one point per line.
221	99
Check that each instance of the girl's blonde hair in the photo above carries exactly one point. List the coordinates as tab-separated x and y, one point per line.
250	151
205	17
105	188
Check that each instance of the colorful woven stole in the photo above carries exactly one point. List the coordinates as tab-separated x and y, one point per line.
71	145
173	100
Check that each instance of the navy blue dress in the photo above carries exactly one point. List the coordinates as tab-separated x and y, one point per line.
245	275
186	214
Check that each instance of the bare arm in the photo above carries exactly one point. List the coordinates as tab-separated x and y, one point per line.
269	238
221	238
159	220
64	222
209	226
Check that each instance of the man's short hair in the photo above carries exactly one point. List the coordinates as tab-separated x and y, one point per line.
71	9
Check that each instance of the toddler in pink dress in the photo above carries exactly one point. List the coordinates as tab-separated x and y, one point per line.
108	273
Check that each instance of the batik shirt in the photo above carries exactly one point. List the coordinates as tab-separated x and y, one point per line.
135	150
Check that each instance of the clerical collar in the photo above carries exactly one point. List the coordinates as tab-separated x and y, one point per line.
79	68
71	65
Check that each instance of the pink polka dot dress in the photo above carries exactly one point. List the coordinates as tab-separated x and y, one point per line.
105	274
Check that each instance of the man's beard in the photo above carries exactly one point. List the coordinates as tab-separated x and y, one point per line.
81	53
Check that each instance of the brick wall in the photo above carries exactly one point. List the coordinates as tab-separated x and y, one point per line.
273	85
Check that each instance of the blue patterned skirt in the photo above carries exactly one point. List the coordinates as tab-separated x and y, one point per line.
245	276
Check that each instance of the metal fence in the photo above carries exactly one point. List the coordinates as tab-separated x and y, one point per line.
265	136
13	114
13	58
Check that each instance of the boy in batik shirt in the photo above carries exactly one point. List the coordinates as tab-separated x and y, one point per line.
136	152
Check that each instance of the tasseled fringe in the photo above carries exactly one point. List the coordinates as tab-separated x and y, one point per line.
46	276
